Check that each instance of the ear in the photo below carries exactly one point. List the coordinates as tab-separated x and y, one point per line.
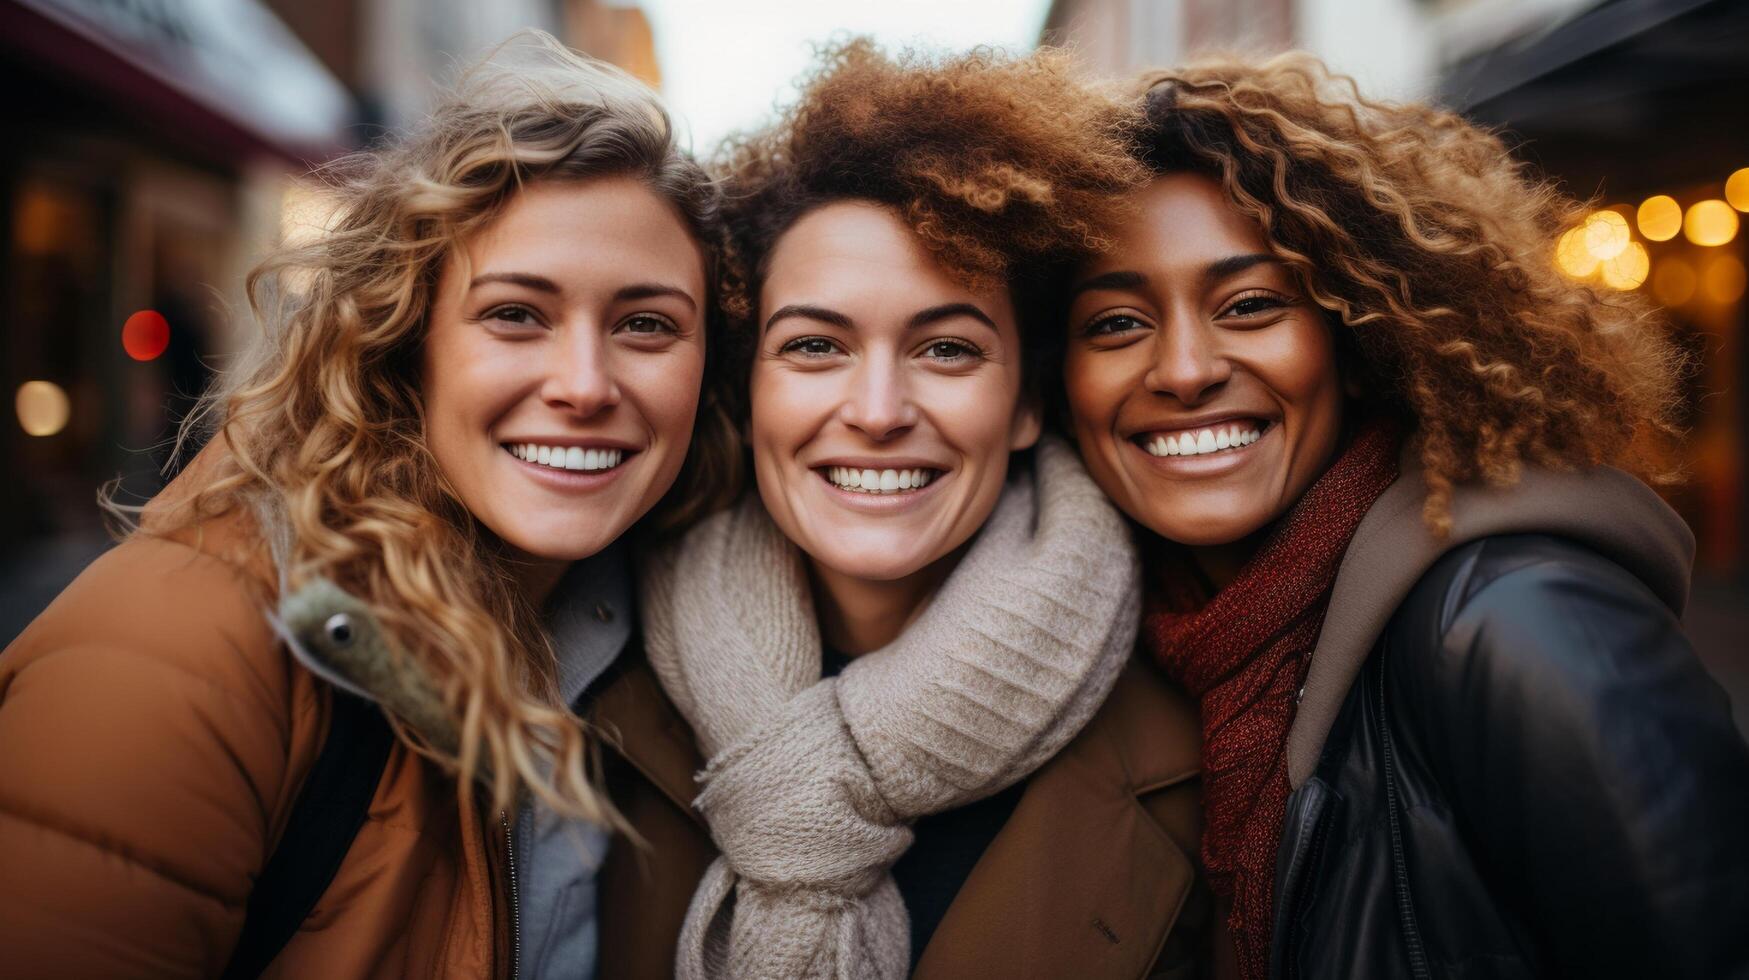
1026	425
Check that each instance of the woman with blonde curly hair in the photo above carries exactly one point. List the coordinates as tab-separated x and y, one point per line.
483	373
889	664
1451	726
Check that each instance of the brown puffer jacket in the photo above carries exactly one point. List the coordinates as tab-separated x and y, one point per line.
154	734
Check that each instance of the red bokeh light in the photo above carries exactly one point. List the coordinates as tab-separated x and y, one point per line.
145	335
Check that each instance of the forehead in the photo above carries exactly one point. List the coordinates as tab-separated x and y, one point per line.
859	258
601	231
1181	220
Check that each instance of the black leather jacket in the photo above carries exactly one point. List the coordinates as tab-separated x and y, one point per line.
1532	776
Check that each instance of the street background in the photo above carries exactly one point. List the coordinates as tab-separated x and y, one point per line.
153	150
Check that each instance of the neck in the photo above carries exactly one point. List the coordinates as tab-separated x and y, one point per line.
537	578
858	614
1220	563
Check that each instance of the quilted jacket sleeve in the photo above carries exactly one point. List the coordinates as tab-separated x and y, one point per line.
150	727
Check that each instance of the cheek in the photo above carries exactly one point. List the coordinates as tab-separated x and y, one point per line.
785	407
666	389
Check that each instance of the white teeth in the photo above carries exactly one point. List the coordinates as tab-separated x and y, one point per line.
1202	441
567	457
877	481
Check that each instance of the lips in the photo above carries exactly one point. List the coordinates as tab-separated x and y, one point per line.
1202	440
592	459
878	481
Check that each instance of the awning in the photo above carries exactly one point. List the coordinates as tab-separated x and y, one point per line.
1645	93
228	71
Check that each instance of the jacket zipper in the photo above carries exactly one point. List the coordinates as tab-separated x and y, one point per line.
1405	903
515	903
1314	852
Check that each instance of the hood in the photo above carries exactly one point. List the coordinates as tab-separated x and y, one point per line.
1602	508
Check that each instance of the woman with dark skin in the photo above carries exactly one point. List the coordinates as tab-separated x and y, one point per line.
1451	724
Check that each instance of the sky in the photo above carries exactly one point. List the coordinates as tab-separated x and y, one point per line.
726	63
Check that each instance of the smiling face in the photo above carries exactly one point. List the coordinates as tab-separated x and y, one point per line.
885	397
1201	381
563	363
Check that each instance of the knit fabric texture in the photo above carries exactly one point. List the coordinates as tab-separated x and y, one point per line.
1243	655
811	783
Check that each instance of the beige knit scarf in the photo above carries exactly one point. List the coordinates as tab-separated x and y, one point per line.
812	784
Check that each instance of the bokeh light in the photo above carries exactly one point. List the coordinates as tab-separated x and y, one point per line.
1723	280
1674	281
1710	222
1606	234
1660	218
145	335
1627	270
43	408
1573	257
1737	189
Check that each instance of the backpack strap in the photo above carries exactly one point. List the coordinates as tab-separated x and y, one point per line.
329	810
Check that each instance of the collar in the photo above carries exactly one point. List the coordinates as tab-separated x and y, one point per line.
633	714
1602	508
590	617
1082	880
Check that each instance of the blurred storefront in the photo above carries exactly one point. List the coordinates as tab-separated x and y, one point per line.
146	145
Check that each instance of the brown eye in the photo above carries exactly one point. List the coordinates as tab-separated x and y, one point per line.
1112	326
520	316
951	351
1254	305
810	347
645	323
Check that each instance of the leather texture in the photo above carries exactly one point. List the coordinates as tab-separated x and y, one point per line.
1531	776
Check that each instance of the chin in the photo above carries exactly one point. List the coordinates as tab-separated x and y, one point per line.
1202	530
870	564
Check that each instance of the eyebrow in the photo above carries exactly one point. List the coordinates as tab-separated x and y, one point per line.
922	318
947	311
1232	265
634	291
808	311
1109	280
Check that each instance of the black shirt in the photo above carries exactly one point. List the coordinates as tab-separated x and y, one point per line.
946	848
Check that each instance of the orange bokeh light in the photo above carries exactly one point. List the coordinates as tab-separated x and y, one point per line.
145	335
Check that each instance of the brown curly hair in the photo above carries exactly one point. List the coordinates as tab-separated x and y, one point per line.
1434	251
998	163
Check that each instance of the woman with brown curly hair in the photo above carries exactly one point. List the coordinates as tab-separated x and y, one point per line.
1451	726
467	389
891	661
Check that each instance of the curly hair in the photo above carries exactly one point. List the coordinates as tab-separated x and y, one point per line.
999	164
1433	249
323	418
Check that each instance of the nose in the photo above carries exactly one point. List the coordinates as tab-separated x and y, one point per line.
1188	364
879	400
579	374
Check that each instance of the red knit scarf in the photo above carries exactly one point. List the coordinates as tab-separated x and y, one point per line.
1243	655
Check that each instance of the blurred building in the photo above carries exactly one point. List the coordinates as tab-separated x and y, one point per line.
143	147
151	157
1636	104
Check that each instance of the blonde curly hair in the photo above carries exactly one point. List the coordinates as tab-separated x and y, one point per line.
1434	251
323	418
